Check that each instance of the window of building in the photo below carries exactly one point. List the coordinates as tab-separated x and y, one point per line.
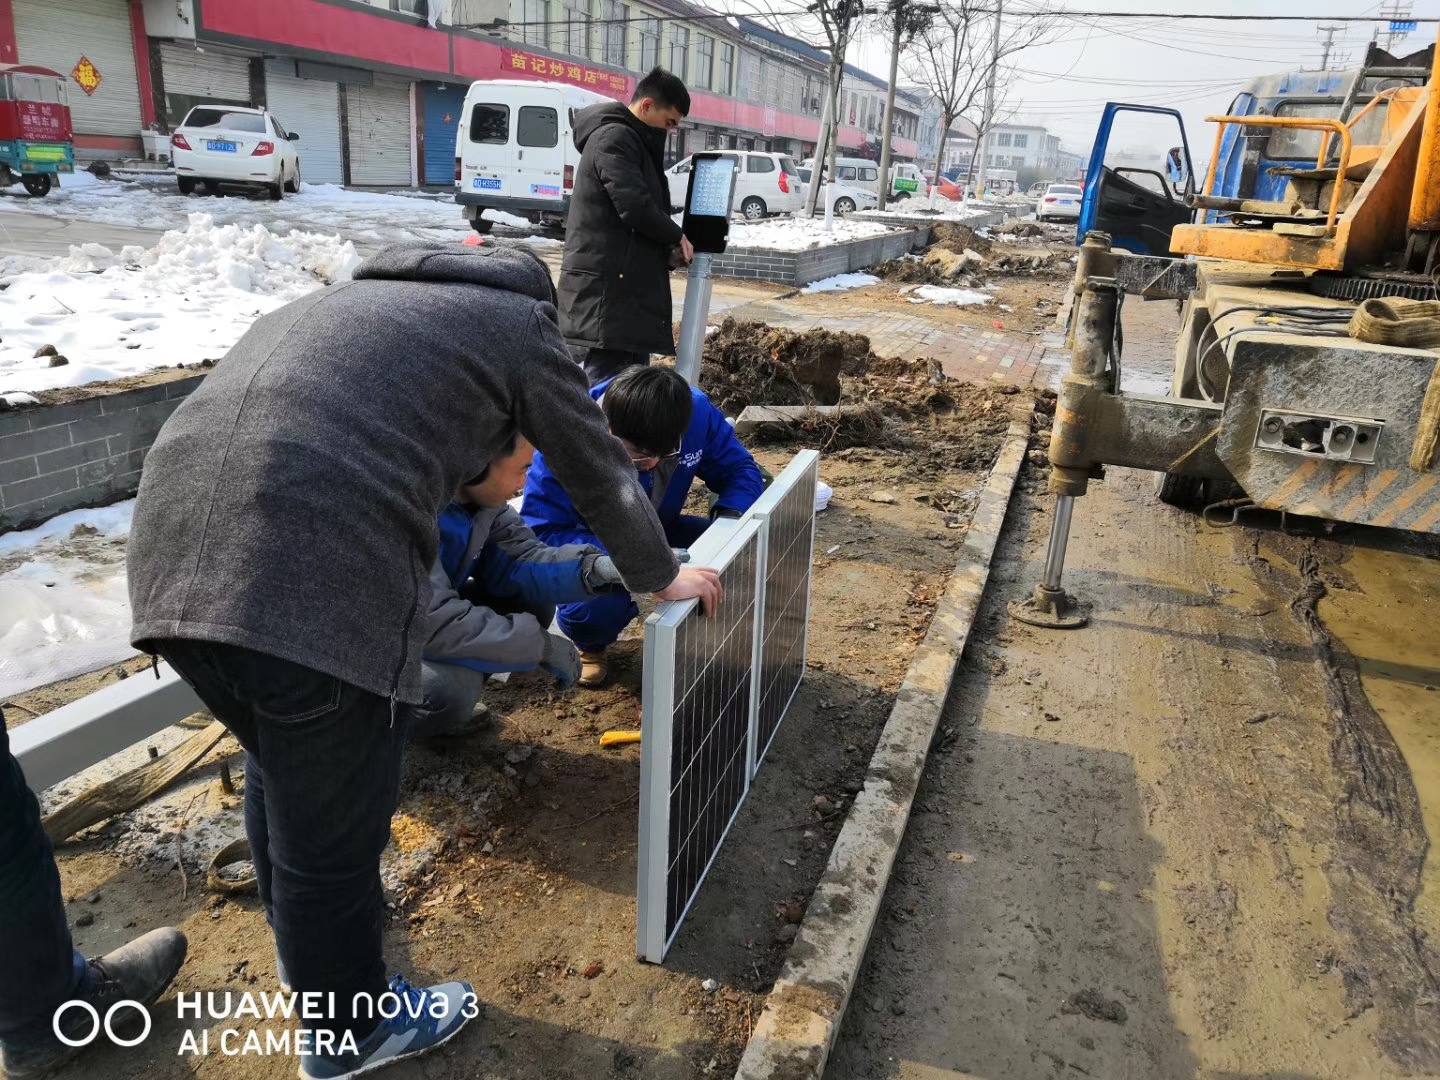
490	124
577	28
1017	161
535	14
725	77
1021	141
1002	138
614	17
537	125
649	43
679	50
704	61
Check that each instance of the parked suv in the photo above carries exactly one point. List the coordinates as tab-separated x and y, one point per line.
234	146
765	184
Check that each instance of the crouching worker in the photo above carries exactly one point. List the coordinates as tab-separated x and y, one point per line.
673	434
493	592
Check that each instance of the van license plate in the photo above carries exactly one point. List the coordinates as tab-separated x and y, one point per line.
487	183
221	147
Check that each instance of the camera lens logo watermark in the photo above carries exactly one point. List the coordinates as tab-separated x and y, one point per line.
99	1024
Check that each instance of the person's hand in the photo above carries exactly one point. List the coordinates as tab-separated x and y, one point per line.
686	248
693	582
561	659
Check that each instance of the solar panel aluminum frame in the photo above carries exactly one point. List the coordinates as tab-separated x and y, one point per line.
804	472
719	545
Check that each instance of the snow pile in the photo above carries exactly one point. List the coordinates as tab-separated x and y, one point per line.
939	294
801	234
64	608
188	298
840	282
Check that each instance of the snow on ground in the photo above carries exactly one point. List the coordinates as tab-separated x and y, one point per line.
188	298
943	210
800	234
840	282
64	608
152	201
939	294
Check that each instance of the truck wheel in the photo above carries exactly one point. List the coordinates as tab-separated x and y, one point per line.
481	225
753	208
37	185
186	184
1184	492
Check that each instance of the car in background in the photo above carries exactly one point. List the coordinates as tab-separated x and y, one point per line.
234	146
765	184
1061	202
847	199
906	180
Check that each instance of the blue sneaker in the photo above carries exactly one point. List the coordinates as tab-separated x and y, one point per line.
414	1032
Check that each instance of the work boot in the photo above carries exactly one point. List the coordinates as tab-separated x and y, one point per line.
594	669
139	971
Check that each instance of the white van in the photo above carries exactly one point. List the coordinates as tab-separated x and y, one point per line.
853	172
515	149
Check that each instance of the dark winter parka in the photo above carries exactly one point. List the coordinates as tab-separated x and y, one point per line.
614	281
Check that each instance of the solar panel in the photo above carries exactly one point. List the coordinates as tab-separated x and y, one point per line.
787	549
698	702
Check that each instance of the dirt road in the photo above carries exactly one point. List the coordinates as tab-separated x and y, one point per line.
1188	841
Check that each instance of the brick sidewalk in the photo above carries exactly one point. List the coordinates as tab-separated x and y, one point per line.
964	352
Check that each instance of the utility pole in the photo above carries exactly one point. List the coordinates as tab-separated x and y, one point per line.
988	120
1398	13
1329	32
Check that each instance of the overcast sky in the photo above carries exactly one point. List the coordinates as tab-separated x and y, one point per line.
1193	66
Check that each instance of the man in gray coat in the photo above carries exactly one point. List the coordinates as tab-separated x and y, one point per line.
319	451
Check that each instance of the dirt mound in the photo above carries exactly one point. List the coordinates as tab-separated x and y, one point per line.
750	363
905	405
911	271
953	236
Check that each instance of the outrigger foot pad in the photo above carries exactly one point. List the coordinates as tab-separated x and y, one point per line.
1053	609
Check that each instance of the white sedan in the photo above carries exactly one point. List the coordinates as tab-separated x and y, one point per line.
234	146
1060	202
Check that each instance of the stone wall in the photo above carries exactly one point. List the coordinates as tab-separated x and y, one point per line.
803	267
62	456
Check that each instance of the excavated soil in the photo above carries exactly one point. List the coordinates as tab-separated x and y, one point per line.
892	403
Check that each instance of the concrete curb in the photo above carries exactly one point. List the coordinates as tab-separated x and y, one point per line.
802	1016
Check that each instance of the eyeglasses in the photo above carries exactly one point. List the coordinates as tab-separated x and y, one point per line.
638	456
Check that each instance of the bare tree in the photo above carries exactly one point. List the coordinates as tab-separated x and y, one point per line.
952	57
839	19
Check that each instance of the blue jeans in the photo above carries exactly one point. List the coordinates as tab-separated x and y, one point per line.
596	624
322	780
38	970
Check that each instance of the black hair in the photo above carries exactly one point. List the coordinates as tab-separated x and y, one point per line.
665	89
649	407
507	448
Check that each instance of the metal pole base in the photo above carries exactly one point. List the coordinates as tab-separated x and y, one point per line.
1053	609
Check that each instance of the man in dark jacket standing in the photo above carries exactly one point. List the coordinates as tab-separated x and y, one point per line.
619	237
315	457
